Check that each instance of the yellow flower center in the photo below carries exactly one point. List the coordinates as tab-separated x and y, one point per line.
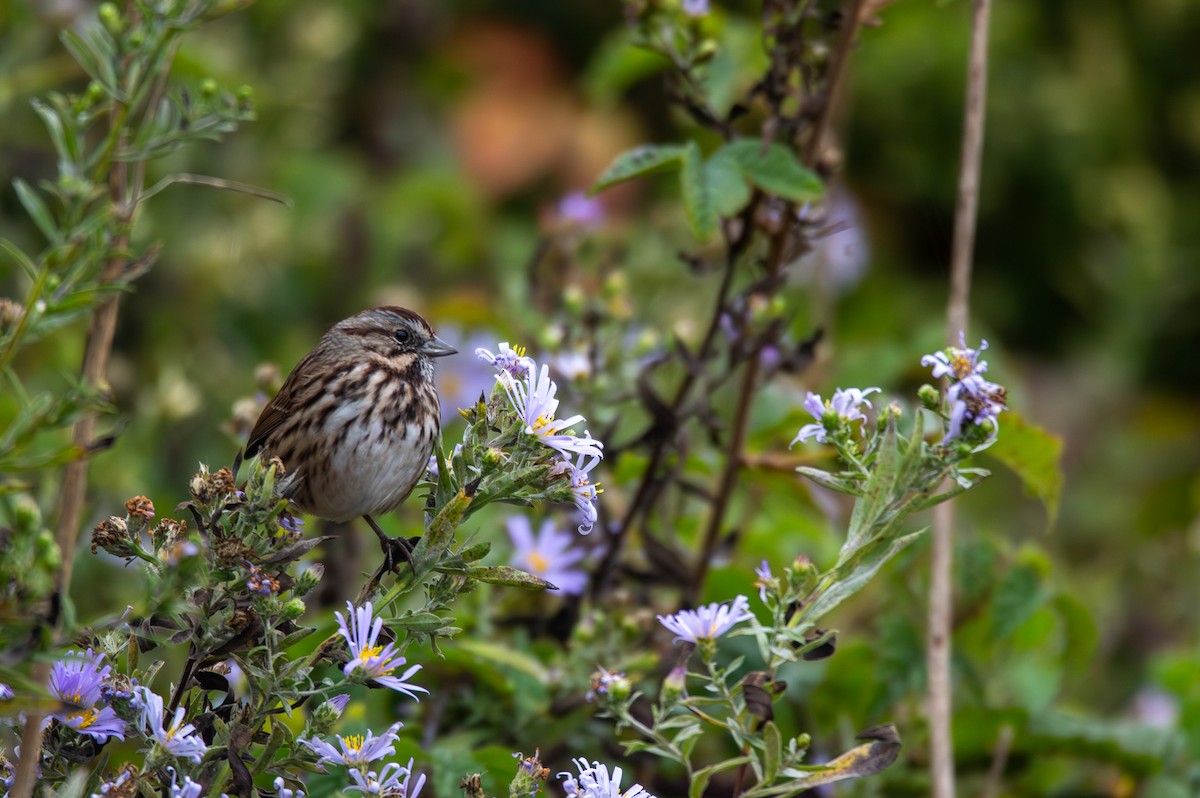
961	365
541	421
86	718
538	562
369	653
353	743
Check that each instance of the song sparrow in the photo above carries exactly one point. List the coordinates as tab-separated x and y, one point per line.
356	420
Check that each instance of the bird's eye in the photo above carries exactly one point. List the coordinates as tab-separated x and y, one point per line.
402	335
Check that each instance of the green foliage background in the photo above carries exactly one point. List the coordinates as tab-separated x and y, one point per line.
424	145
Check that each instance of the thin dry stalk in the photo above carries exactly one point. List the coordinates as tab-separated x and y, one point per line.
941	596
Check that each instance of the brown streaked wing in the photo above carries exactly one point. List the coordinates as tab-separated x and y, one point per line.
279	408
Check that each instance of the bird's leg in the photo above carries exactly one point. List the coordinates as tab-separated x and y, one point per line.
390	546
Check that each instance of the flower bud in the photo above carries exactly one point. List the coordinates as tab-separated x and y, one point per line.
674	687
930	397
493	457
209	88
137	38
308	579
110	18
292	609
530	774
326	715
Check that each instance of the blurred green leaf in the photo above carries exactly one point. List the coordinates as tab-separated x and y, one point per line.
37	210
1134	746
1019	594
775	170
697	196
726	184
645	160
1035	456
617	65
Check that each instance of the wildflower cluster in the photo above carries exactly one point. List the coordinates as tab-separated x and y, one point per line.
972	400
358	753
533	397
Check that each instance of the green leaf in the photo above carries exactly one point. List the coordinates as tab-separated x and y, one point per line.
1020	593
772	752
775	170
37	210
1035	456
509	576
700	777
645	160
697	196
727	184
850	577
420	622
616	65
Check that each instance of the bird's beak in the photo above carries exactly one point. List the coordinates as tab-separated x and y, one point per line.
438	348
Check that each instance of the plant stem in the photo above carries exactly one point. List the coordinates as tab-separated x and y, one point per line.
941	597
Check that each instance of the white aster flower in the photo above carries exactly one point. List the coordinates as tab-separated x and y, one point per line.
595	782
708	622
355	750
368	659
179	739
533	399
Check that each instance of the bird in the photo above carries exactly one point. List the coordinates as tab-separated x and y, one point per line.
356	420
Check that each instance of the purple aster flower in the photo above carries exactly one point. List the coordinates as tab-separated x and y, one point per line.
76	679
282	790
549	554
179	739
605	680
507	359
393	781
708	622
972	399
338	703
356	750
533	399
261	583
595	782
291	523
583	493
6	692
189	788
765	578
695	8
580	209
957	362
113	784
842	407
368	659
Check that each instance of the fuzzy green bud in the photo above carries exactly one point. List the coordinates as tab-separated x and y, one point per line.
292	609
325	716
245	93
308	579
49	555
886	416
573	299
930	397
209	88
110	18
674	687
493	457
26	513
136	38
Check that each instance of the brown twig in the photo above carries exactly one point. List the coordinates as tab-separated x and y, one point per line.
1004	741
833	84
941	598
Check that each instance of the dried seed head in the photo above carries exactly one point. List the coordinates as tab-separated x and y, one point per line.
112	535
140	507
